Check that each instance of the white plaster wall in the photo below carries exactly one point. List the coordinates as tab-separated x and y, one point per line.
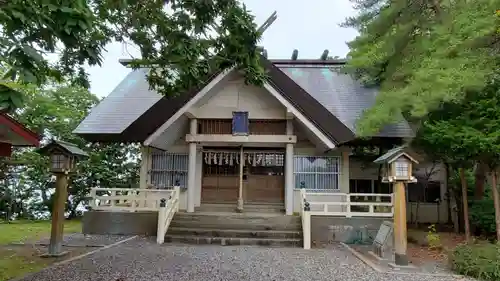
234	95
428	212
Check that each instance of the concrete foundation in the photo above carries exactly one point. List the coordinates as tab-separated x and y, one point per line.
326	229
120	223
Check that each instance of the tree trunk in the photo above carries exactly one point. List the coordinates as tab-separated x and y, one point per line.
448	192
480	176
465	204
496	202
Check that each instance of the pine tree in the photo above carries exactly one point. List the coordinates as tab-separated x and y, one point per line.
421	53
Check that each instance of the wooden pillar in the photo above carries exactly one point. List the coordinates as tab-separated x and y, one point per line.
191	169
240	190
58	209
400	233
289	176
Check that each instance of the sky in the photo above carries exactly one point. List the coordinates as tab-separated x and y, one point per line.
309	28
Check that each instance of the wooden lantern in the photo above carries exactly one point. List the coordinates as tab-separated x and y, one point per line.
63	156
397	165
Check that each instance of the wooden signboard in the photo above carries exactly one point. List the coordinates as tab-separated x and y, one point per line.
384	232
383	242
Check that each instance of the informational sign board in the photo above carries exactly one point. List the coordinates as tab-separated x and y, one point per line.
384	232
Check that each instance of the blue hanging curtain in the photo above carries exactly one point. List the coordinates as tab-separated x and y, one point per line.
240	123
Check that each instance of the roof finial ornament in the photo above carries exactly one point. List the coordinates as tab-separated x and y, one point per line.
295	54
324	56
264	53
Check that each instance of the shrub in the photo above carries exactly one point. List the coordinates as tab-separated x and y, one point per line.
482	214
481	261
433	238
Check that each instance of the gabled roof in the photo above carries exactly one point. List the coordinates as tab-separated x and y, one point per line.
16	133
127	102
394	154
67	147
339	93
332	101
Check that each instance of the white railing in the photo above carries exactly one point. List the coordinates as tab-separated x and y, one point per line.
127	199
168	208
341	204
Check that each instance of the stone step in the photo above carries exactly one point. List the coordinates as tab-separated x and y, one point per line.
241	233
232	225
228	241
237	217
255	208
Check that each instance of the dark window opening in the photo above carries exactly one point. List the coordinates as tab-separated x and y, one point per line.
425	193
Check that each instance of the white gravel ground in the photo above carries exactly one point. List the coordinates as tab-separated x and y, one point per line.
143	260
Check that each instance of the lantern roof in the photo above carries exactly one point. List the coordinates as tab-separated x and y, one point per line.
393	154
63	146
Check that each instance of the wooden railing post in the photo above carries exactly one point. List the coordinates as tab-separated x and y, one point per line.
348	205
177	193
306	225
113	195
162	216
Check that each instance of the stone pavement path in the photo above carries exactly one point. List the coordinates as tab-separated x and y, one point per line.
142	260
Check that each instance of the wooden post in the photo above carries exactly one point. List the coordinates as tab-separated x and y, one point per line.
240	190
177	191
400	235
58	209
162	216
306	221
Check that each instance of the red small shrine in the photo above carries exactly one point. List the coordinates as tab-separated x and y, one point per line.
13	133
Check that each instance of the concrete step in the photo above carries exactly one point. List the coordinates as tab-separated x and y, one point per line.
228	241
236	221
235	233
241	225
237	217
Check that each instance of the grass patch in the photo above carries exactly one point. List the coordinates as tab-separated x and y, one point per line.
16	261
22	231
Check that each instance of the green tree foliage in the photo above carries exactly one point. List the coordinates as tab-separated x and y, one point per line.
421	53
55	111
465	132
180	40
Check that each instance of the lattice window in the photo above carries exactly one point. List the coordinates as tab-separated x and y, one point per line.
317	172
167	168
402	167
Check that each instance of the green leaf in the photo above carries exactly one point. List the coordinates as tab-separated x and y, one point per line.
34	54
67	10
17	99
18	15
28	77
